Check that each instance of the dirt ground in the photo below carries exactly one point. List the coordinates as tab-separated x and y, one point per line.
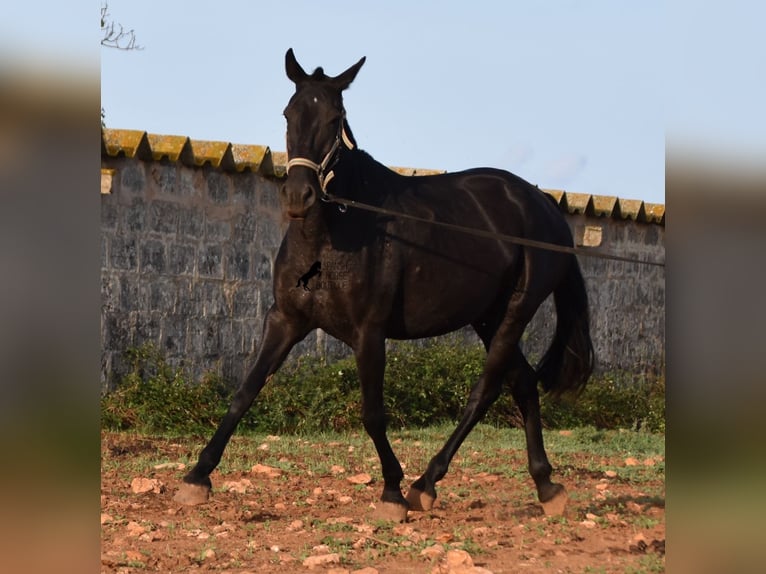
268	520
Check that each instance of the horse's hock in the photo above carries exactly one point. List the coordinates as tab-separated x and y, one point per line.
190	229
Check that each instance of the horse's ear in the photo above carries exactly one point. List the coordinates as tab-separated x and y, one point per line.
293	68
344	80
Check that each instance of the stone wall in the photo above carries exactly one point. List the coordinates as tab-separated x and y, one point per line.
189	238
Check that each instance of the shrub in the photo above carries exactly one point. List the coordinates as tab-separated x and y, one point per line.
425	385
155	397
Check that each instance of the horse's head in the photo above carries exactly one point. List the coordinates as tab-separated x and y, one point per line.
316	130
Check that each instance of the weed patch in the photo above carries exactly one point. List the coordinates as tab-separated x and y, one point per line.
425	386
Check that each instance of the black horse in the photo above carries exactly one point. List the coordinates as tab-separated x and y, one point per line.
402	279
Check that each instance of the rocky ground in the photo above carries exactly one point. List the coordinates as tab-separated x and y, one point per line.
268	519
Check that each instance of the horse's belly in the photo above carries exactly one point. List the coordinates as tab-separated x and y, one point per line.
438	303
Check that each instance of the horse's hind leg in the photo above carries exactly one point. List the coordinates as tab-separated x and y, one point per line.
279	336
484	393
523	381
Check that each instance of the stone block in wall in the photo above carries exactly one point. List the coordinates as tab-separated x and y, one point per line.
110	214
262	268
204	341
210	261
243	191
130	296
251	328
187	302
244	300
116	331
237	262
231	338
162	295
123	252
173	335
218	187
164	176
213	299
244	228
147	328
182	258
135	216
267	196
163	217
191	222
109	288
132	177
152	256
269	233
217	231
118	364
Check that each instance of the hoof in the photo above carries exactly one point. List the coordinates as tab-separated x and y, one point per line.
192	494
556	504
420	500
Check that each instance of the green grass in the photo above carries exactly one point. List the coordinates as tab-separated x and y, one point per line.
487	448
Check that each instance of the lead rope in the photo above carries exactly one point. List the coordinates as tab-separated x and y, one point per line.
489	234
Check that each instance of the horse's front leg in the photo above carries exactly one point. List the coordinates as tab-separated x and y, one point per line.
370	353
280	334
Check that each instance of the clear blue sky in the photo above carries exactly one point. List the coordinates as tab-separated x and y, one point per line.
566	94
571	94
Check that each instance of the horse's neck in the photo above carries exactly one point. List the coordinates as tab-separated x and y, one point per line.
363	178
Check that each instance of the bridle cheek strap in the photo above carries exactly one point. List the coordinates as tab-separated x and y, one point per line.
320	168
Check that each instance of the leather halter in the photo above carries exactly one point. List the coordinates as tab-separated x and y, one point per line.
321	169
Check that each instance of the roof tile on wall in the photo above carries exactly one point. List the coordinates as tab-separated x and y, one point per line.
556	194
604	205
279	159
655	212
256	158
216	154
578	203
174	148
130	143
262	160
631	209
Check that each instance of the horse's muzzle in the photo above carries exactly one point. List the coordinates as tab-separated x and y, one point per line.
297	199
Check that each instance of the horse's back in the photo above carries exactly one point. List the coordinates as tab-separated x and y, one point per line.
489	199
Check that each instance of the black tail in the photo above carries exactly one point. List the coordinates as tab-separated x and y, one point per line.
568	363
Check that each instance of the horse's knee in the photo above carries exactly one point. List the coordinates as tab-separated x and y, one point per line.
374	421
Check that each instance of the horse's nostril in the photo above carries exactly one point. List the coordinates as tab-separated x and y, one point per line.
307	193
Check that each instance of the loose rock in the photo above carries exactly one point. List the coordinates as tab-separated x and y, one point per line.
269	471
140	485
322	560
361	478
